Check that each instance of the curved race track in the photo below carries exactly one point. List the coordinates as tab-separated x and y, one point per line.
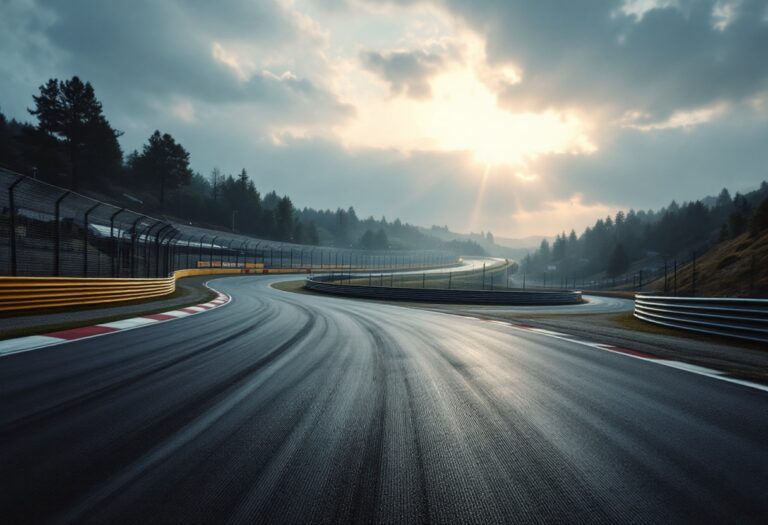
299	408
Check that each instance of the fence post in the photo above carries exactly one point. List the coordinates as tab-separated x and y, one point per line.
170	253
483	276
210	254
175	252
200	251
57	237
12	210
244	249
85	238
159	240
229	253
135	255
113	241
693	277
674	280
450	275
134	237
167	250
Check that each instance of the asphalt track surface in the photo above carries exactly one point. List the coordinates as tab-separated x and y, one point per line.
297	408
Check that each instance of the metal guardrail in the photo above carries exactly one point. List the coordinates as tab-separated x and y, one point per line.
729	317
24	293
442	295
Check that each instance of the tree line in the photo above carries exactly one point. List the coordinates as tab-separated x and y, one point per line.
74	145
612	245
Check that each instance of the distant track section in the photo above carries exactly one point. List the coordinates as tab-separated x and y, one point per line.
442	295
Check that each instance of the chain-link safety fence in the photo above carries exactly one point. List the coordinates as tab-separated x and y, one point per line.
50	231
673	275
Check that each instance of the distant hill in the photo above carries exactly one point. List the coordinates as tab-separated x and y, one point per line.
525	243
634	245
510	248
734	268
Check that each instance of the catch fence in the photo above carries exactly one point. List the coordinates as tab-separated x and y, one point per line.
48	231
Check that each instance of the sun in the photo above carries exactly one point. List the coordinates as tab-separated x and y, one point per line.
463	115
466	115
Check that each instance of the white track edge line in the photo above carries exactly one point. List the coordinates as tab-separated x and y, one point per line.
678	365
65	341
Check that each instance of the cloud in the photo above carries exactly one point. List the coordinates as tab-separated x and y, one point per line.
603	105
653	57
407	72
147	54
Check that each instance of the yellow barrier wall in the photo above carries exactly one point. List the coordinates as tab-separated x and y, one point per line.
24	293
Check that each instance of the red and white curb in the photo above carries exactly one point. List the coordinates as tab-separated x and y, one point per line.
636	354
33	342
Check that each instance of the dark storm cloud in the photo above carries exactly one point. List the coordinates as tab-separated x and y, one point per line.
406	72
143	57
159	50
589	53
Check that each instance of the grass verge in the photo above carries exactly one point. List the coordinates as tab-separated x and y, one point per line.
628	321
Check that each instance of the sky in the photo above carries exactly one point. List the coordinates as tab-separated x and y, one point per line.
517	117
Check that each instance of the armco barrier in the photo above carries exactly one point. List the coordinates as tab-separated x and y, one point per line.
24	293
730	317
441	295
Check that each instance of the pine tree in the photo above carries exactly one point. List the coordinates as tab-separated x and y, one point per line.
619	261
163	163
69	110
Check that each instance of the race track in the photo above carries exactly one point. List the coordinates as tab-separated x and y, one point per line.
297	408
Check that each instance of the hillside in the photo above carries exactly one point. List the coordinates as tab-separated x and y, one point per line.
634	247
515	249
734	268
